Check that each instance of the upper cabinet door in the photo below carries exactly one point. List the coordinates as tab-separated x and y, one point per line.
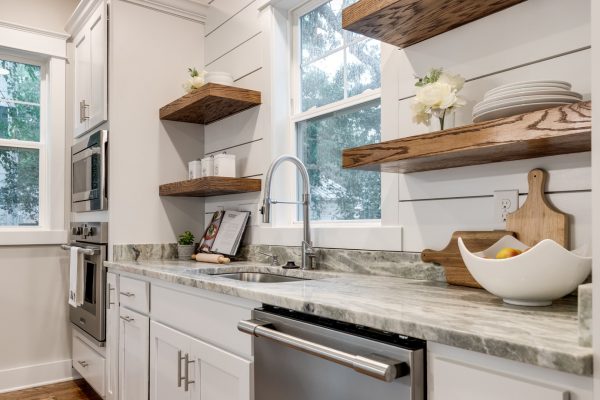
169	351
82	88
90	60
98	107
219	375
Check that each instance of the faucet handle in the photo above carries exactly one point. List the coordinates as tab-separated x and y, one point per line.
273	257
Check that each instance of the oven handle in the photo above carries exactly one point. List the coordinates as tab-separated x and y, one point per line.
87	252
375	366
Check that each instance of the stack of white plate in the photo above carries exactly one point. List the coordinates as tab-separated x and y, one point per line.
521	97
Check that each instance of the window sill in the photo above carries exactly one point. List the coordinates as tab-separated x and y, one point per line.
24	237
356	236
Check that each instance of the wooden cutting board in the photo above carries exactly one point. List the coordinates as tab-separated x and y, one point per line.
450	258
537	219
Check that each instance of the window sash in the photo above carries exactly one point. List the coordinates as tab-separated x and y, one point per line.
41	146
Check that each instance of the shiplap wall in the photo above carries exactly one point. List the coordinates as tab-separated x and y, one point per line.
538	39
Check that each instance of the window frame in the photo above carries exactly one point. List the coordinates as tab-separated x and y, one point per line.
50	49
41	146
297	115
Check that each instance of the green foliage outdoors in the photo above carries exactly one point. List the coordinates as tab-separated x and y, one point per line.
186	238
19	121
338	194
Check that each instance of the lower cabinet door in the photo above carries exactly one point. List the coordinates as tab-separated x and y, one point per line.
219	375
134	336
169	352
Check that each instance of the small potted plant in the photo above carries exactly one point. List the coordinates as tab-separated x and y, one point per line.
185	245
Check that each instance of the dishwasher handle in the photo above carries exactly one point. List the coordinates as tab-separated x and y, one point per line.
379	367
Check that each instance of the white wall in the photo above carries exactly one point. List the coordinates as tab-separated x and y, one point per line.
35	329
149	56
533	40
49	15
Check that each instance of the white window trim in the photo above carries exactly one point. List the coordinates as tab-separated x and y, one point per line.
47	49
385	234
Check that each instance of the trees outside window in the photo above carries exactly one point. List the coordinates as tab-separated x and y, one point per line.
337	66
20	144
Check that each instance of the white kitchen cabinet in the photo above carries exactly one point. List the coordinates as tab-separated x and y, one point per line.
90	63
133	355
112	337
88	362
461	374
183	368
219	375
168	349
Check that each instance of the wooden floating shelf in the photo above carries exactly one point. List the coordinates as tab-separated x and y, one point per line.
210	186
210	103
406	22
560	130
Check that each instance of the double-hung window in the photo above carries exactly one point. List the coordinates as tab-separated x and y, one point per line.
336	104
22	149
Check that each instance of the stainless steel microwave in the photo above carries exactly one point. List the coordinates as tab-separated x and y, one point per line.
88	173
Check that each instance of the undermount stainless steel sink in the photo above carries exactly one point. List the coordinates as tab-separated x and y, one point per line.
260	277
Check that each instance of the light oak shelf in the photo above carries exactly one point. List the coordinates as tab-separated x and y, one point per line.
406	22
559	130
210	103
210	186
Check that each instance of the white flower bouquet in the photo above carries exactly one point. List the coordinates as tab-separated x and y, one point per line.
195	81
437	96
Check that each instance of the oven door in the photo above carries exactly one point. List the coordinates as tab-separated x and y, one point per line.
90	316
88	173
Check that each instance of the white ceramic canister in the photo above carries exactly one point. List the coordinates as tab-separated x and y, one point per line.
223	78
195	169
225	165
208	166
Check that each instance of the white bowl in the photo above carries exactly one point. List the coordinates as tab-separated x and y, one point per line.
223	78
544	273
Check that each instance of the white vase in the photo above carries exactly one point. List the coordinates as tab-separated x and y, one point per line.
449	122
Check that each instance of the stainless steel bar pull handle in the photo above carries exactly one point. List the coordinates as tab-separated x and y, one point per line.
187	371
179	377
110	289
378	367
126	318
127	294
83	364
87	252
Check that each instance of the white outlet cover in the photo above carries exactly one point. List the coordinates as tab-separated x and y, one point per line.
505	202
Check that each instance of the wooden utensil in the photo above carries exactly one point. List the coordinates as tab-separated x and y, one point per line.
537	219
450	258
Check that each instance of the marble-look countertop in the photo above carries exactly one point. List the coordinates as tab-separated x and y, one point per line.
467	318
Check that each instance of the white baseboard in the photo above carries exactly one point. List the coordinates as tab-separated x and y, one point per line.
35	375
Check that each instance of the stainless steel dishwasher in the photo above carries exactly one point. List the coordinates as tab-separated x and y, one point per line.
299	356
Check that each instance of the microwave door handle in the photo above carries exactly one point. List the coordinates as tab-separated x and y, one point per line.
90	151
375	366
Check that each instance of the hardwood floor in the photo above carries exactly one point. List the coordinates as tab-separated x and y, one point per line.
70	390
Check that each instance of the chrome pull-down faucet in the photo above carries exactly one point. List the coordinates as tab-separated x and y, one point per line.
308	253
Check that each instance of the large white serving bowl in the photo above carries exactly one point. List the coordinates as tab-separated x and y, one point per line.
544	273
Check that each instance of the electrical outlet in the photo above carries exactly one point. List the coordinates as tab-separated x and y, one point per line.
505	202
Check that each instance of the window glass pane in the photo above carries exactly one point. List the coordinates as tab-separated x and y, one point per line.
339	194
321	31
19	121
323	81
363	66
19	81
19	186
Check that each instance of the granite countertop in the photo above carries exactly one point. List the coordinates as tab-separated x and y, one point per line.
467	318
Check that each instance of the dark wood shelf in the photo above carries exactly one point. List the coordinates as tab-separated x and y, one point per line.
406	22
210	103
560	130
210	186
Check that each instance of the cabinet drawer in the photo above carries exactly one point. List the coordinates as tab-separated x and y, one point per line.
133	294
201	317
89	364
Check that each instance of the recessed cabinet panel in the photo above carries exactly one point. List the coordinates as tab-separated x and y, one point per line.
455	380
133	355
112	337
82	78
